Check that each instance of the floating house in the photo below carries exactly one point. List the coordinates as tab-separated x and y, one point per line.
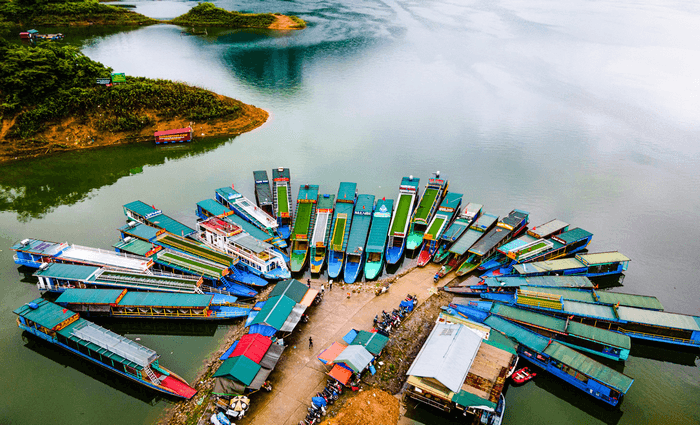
398	231
65	328
376	241
177	135
322	232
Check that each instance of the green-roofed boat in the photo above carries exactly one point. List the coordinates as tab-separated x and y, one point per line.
457	251
355	251
147	214
340	229
282	200
376	241
427	207
66	329
303	226
438	225
403	209
322	232
467	217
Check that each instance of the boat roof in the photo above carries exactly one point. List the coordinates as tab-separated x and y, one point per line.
463	221
561	325
193	248
324	210
38	246
517	243
171	225
360	224
409	183
380	225
105	258
471	236
249	242
539	281
260	176
247	227
494	236
68	271
325	202
447	355
346	192
141	231
515	218
602	258
659	318
308	192
601	297
173	131
571	236
44	313
214	208
90	296
165	299
602	311
143	209
280	173
548	266
193	264
548	229
451	200
262	187
134	246
484	221
400	221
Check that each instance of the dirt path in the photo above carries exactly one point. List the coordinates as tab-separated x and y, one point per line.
284	22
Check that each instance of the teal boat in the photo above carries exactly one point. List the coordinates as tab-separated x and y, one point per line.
428	206
303	226
322	231
355	251
340	230
438	225
282	200
468	216
376	242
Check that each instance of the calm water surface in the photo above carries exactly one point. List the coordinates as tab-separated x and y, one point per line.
587	112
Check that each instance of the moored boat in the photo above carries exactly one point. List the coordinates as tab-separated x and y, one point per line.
147	214
65	328
376	241
282	200
476	231
403	209
245	209
305	218
340	229
596	264
427	207
263	195
321	233
438	225
357	240
465	219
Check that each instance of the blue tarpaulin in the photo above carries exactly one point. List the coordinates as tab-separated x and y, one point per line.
229	351
318	401
372	370
472	313
350	336
408	304
262	330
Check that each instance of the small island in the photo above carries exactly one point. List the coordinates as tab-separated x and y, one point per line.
50	101
208	15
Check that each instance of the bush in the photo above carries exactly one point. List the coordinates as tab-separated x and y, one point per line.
206	14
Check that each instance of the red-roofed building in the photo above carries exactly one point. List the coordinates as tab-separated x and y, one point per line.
253	346
177	135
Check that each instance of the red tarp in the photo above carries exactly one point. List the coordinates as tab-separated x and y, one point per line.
341	374
179	387
175	131
253	346
330	353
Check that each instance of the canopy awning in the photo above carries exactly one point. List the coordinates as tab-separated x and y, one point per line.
329	354
341	374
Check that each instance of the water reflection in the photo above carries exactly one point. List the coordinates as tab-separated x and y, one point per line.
160	327
34	188
685	356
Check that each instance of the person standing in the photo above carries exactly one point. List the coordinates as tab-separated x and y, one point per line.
311	343
330	285
308	283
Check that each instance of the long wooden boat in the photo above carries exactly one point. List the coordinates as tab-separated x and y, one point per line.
438	225
475	286
263	195
357	240
591	265
403	210
427	207
245	209
505	229
458	250
66	329
147	214
305	219
282	200
465	219
340	229
321	233
122	303
376	241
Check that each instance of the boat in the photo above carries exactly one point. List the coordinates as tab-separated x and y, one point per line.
427	207
567	243
505	229
322	231
523	375
282	200
66	329
263	195
597	264
481	226
438	225
403	210
147	214
528	243
376	241
475	286
357	240
304	222
176	135
340	229
465	219
254	255
245	209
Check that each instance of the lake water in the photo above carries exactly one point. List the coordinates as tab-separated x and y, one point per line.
588	112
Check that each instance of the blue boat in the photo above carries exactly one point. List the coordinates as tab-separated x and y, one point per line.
357	241
403	210
590	265
340	230
282	200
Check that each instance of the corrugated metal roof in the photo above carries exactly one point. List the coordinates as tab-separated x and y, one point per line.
291	288
381	221
362	218
346	192
253	346
247	227
141	231
539	281
89	333
546	229
308	192
171	225
573	235
67	271
134	246
280	173
523	336
447	355
588	309
262	187
659	318
501	341
374	342
249	242
630	300
165	299
140	208
89	296
47	314
68	333
470	237
611	338
356	357
275	311
260	176
589	366
37	246
603	257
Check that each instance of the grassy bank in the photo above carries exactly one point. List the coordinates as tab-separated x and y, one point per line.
208	15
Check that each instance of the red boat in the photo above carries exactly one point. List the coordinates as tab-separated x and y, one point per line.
425	255
523	375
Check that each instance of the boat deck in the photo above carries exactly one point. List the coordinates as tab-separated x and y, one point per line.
324	211
548	229
194	248
103	258
381	220
498	234
262	188
194	265
342	219
360	224
476	231
302	220
539	281
426	204
400	221
245	207
282	201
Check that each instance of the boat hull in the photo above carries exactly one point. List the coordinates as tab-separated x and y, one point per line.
316	262
352	269
335	263
394	253
284	231
373	268
441	254
298	260
414	241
